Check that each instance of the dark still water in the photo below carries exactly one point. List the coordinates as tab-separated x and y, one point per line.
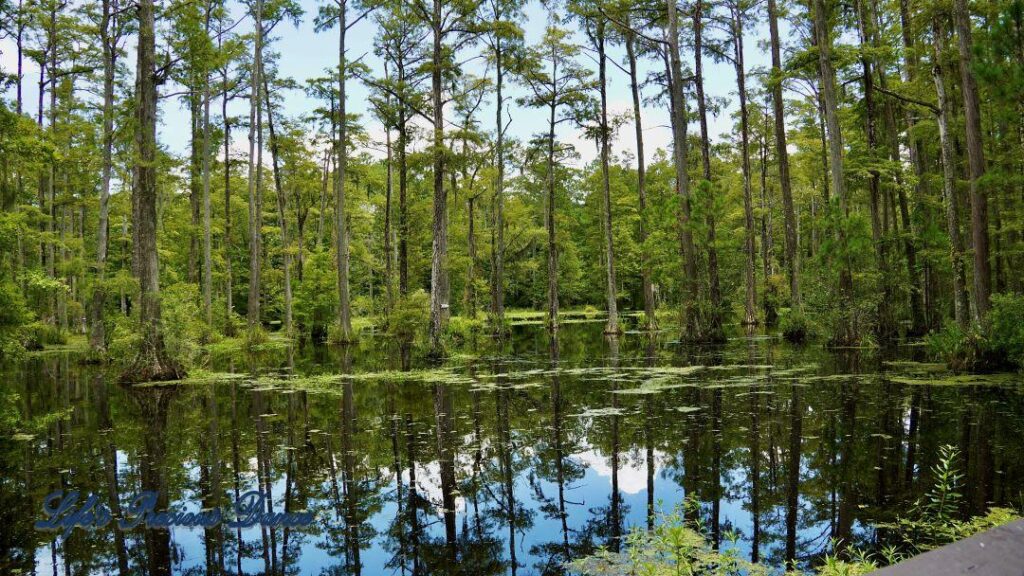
493	463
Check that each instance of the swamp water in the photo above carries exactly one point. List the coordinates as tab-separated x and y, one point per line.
495	464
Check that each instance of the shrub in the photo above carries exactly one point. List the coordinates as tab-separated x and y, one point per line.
1006	329
1000	344
255	336
181	319
959	349
335	336
38	335
181	325
796	327
125	338
463	328
410	316
13	315
316	296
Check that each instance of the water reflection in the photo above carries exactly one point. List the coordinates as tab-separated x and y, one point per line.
496	464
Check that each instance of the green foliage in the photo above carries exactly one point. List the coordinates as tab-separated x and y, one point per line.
335	335
182	323
38	335
410	317
462	328
124	340
959	349
316	296
13	315
255	337
999	344
796	327
1005	328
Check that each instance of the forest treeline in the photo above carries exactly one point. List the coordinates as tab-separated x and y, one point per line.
872	186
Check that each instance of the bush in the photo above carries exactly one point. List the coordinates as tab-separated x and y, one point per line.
1006	328
38	335
335	336
796	327
410	316
181	325
255	336
999	345
959	349
316	296
182	322
13	315
125	339
463	328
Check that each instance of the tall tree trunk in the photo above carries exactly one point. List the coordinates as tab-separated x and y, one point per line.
195	107
228	280
975	161
782	156
750	301
768	300
51	176
714	331
341	226
255	178
207	216
389	269
682	184
498	247
549	220
282	208
641	185
885	329
847	331
97	333
20	48
403	206
471	256
439	244
152	362
961	305
918	288
612	327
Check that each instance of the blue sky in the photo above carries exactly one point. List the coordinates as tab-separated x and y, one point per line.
306	54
